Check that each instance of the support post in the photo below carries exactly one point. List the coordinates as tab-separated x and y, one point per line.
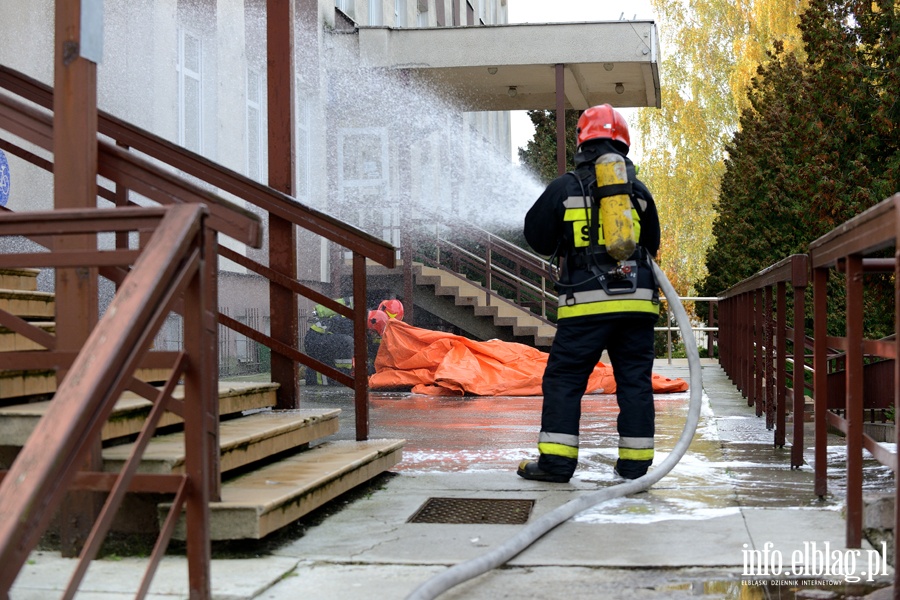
896	390
854	400
799	280
560	119
201	416
283	306
820	378
75	186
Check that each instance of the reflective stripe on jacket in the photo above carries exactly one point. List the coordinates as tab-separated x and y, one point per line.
596	301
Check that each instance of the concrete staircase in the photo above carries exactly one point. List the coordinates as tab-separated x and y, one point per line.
275	465
467	305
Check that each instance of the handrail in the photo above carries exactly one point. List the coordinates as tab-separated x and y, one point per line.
174	266
449	253
745	337
120	164
712	328
498	270
844	248
752	344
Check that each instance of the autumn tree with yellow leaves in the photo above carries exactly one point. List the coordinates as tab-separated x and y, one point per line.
710	50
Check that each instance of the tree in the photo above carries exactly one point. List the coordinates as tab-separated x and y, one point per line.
818	145
711	49
539	154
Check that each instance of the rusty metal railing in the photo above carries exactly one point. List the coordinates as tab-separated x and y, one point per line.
139	162
506	272
174	267
845	248
850	373
754	331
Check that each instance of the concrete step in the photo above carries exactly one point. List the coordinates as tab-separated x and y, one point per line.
524	330
18	421
257	503
543	341
28	305
501	314
19	279
242	441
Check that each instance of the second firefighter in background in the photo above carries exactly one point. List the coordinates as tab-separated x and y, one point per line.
604	304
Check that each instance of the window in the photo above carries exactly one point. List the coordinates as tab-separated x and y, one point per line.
190	91
399	13
376	12
422	13
364	182
344	5
256	140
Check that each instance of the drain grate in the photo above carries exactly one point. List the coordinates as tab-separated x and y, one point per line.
473	510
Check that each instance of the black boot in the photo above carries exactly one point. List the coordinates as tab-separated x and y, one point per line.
529	469
632	469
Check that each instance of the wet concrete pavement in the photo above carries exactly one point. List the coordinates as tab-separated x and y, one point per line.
732	499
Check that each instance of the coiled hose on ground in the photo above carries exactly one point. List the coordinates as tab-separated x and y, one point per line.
472	568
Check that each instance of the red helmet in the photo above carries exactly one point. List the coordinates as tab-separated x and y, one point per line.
377	321
393	308
602	122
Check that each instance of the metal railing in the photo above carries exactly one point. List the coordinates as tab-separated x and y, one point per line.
140	168
755	329
505	271
172	270
710	331
845	248
845	374
143	163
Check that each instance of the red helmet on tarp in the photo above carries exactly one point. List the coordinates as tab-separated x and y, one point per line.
393	308
602	122
377	321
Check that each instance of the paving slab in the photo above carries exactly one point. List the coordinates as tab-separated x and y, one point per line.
46	574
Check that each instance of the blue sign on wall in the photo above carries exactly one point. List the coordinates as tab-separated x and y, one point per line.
4	179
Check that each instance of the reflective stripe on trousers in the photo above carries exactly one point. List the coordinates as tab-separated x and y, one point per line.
636	448
558	444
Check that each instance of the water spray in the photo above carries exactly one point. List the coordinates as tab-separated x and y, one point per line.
472	568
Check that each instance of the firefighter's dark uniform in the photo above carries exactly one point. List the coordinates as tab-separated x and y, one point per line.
590	320
329	339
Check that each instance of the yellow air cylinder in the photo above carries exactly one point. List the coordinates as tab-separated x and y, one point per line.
615	211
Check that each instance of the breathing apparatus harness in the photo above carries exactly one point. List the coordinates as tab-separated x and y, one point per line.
614	265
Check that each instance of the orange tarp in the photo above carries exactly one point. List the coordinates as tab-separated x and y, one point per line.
443	364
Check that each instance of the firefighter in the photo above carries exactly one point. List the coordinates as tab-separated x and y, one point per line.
329	339
605	303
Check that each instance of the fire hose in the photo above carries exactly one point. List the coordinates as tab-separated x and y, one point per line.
474	567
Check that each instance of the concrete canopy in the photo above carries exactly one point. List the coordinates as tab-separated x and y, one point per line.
512	67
